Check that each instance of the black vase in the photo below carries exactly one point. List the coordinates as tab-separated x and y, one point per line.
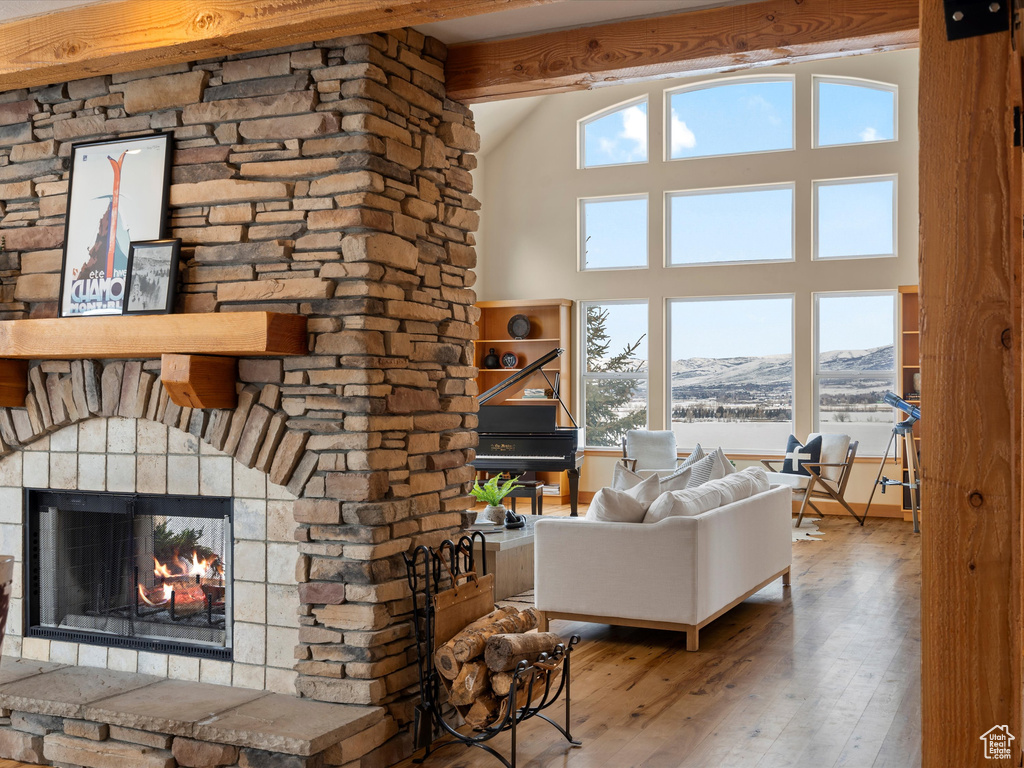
491	359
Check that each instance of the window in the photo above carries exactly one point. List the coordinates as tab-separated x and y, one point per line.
614	365
730	117
855	218
855	365
852	111
614	136
730	225
613	232
731	372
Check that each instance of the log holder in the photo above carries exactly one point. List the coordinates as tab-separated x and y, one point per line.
427	574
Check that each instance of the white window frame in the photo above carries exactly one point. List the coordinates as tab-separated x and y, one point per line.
581	324
719	82
581	231
855	82
816	360
667	239
737	297
583	122
848	181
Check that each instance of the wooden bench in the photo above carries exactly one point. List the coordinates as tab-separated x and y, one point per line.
532	490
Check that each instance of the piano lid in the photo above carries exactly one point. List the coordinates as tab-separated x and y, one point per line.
520	375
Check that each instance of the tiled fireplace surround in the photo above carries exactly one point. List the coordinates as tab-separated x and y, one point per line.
330	180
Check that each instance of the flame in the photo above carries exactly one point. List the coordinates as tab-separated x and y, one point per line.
166	590
198	567
161	570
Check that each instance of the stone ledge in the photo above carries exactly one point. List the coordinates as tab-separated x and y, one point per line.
213	713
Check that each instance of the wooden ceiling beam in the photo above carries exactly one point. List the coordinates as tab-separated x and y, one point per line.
719	39
128	35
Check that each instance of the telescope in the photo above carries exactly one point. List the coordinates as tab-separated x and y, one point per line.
898	402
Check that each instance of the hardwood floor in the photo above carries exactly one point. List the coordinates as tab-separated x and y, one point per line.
824	674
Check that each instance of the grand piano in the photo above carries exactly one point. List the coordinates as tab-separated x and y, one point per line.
525	438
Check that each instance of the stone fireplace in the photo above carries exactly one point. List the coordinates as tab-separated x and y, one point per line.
329	180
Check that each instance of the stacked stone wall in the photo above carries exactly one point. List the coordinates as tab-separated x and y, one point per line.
331	180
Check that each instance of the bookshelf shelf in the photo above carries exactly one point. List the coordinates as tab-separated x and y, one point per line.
910	363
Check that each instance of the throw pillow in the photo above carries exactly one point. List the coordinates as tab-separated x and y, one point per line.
701	471
725	466
797	455
686	503
696	455
624	478
646	491
677	481
611	506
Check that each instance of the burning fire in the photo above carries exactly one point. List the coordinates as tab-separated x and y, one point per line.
185	583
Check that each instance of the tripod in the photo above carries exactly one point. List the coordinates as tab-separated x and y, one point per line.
903	431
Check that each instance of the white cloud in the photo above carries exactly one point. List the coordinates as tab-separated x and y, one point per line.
682	136
634	129
869	134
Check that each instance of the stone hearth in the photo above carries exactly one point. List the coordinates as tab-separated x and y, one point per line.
76	716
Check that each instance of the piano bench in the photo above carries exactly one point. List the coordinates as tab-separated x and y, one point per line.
532	490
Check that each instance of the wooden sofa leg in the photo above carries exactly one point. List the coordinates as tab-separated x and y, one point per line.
542	621
692	639
786	578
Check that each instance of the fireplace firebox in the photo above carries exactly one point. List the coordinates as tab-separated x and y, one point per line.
143	572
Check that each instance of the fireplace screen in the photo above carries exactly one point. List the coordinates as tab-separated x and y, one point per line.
146	572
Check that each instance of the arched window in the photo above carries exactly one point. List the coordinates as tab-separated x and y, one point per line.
848	110
730	117
614	136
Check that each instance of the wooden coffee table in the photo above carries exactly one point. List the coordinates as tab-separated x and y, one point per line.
509	558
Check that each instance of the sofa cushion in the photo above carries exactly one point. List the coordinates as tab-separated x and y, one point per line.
834	448
760	478
624	479
685	503
612	506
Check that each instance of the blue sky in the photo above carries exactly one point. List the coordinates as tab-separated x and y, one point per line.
725	119
731	328
856	322
732	225
855	219
849	114
615	233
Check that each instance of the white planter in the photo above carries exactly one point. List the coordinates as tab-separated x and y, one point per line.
492	514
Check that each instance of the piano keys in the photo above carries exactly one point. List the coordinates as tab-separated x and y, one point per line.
526	438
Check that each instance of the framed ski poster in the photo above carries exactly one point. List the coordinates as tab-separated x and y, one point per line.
118	193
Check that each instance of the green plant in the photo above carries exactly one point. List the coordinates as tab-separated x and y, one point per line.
169	546
491	493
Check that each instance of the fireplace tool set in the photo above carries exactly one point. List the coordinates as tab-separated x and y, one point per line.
448	593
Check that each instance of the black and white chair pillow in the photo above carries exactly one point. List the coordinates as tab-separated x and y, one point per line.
797	455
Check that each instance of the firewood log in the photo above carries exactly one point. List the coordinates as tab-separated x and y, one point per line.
446	663
501	682
482	712
504	651
470	685
470	642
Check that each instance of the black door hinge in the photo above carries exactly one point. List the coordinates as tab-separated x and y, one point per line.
1016	126
970	18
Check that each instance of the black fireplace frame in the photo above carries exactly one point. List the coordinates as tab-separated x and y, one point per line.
211	507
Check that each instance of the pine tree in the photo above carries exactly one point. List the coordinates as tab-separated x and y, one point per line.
605	398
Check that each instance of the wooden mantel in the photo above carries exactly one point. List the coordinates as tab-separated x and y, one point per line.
233	334
185	344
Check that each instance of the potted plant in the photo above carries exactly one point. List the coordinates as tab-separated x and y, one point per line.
491	494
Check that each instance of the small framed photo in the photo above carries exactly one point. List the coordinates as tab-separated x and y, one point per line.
118	193
152	278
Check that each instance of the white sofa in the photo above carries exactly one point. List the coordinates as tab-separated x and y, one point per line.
680	573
